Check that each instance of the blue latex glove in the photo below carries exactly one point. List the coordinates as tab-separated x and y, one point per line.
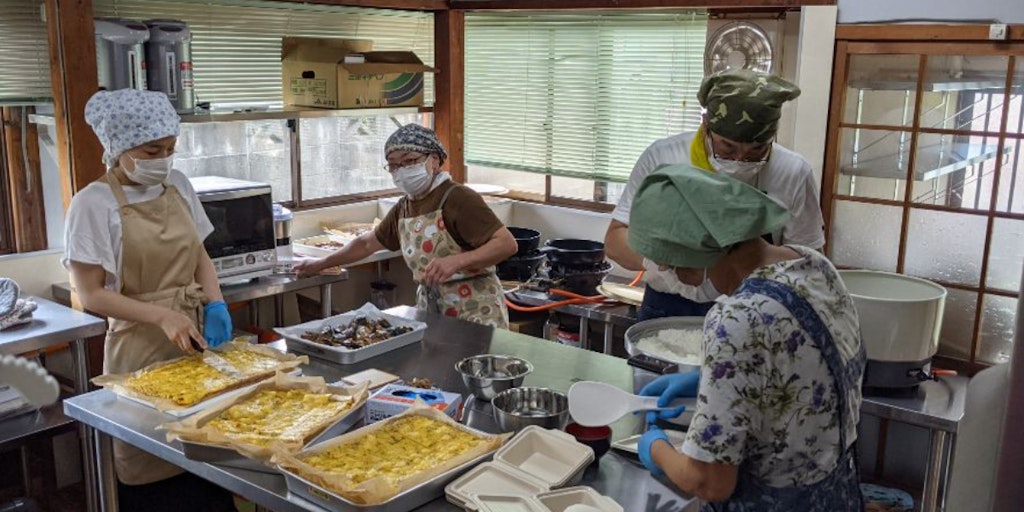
217	326
653	435
670	387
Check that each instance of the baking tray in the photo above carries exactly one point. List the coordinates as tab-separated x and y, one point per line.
411	499
341	355
218	399
306	245
225	456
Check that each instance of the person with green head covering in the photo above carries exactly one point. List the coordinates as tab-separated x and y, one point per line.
736	138
782	361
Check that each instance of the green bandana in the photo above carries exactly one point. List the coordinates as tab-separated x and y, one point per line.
745	105
685	217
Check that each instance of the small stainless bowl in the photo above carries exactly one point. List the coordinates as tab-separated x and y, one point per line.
519	408
487	375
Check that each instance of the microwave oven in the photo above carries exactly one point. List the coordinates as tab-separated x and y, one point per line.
242	244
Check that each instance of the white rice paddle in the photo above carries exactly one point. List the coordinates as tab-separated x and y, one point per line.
595	404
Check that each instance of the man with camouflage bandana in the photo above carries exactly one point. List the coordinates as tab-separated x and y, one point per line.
736	138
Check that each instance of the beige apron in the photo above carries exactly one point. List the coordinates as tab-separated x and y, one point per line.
478	299
159	256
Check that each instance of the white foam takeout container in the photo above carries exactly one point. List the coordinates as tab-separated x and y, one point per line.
534	462
554	501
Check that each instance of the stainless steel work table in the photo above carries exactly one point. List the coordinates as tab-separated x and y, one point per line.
274	285
52	324
939	407
446	341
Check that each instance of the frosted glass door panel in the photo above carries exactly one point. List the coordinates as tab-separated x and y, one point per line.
859	243
1006	257
958	323
945	246
996	345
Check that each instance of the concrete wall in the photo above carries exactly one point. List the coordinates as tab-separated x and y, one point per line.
875	11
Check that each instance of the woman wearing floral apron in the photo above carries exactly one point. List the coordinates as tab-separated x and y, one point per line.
779	387
448	236
135	252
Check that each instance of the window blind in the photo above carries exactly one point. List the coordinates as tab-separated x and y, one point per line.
236	45
579	95
24	59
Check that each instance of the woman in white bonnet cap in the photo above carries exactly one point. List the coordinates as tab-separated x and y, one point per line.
134	247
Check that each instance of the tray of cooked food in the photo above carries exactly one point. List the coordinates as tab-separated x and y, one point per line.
354	336
394	465
319	245
185	385
284	413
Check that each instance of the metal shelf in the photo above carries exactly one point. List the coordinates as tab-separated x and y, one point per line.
938	160
264	114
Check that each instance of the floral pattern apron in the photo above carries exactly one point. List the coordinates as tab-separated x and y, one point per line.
159	256
840	490
478	299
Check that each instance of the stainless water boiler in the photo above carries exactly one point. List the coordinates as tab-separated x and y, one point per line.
169	62
120	56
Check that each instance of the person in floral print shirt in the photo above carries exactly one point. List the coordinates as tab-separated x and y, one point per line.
778	394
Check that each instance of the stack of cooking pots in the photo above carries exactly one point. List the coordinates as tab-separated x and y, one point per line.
523	265
576	265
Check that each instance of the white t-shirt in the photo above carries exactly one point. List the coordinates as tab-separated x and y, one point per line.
787	178
93	228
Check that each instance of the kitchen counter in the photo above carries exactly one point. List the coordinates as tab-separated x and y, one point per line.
273	285
446	341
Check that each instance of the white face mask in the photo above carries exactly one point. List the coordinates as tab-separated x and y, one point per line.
742	171
414	180
151	171
735	169
704	292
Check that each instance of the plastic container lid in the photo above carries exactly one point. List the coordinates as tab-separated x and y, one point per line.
559	501
536	460
281	213
496	503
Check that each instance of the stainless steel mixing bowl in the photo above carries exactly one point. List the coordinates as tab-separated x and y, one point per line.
519	408
487	375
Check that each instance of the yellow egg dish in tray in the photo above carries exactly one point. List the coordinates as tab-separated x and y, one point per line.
181	386
282	414
397	464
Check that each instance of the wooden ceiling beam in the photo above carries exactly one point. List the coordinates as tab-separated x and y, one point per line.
406	5
541	5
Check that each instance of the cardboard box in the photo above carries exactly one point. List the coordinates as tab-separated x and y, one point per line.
393	399
316	73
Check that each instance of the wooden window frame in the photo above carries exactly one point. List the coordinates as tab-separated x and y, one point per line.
934	40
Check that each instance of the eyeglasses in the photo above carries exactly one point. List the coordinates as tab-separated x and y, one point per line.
742	152
392	167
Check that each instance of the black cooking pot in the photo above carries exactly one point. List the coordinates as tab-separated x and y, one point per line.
520	268
527	240
572	252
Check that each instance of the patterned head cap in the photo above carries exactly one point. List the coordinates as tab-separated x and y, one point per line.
745	105
128	118
418	138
